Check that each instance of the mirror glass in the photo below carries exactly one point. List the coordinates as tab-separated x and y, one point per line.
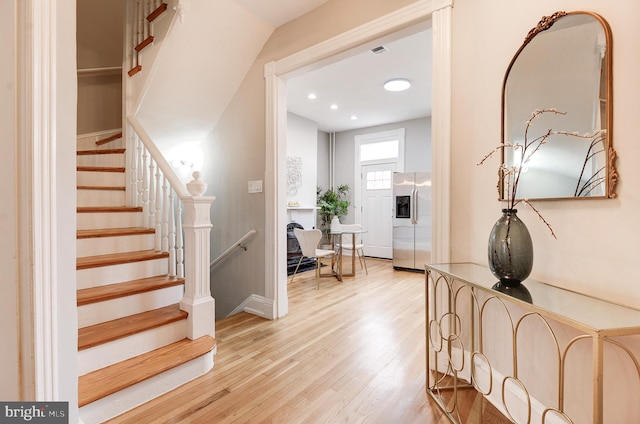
565	65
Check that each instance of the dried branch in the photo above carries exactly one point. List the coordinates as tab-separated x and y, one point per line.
526	202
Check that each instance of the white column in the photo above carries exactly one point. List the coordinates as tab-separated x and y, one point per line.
197	300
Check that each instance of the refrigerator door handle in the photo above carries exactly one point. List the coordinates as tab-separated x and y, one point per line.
414	206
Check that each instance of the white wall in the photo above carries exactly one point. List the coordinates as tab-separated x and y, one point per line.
597	246
302	146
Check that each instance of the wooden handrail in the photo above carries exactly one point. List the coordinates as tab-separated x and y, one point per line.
237	244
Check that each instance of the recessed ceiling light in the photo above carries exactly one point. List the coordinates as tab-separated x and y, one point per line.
334	107
312	96
397	84
354	117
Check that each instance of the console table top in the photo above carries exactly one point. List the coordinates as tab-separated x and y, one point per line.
576	309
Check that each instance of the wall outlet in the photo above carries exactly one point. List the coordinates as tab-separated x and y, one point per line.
255	186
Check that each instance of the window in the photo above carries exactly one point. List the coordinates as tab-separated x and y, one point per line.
378	180
380	150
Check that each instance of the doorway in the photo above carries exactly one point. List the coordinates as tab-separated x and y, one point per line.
276	74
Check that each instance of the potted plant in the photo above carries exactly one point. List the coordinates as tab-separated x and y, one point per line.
332	203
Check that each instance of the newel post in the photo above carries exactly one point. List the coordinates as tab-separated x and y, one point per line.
197	300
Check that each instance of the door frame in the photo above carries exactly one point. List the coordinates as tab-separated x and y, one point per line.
276	74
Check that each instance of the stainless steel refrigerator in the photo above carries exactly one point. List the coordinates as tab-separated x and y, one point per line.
411	220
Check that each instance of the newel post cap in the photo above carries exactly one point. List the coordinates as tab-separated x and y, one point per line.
197	187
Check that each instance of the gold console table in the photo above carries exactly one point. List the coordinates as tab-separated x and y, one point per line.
532	352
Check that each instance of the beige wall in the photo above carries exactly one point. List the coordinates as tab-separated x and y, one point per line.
593	249
597	240
9	388
100	40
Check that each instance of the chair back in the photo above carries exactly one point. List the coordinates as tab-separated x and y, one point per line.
308	240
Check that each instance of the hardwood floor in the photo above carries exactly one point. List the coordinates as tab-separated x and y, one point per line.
351	352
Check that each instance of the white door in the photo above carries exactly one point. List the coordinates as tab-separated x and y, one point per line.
377	197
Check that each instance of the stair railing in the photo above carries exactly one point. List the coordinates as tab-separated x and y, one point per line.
180	216
141	28
238	244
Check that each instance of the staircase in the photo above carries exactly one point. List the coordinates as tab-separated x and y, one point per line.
134	340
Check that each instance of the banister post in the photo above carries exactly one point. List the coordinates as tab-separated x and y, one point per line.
197	300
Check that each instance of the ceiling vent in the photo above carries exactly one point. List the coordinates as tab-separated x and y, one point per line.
379	50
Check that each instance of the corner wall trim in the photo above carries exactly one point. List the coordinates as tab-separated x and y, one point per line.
256	305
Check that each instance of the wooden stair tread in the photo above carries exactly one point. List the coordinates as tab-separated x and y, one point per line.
100	152
109	139
115	291
113	232
118	258
101	209
159	11
100	169
109	331
106	188
134	70
109	380
144	43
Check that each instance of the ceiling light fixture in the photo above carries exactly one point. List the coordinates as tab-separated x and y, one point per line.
397	84
354	117
311	96
334	107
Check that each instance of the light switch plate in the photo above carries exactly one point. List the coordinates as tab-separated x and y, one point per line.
255	186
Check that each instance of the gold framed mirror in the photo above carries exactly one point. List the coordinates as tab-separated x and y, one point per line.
564	65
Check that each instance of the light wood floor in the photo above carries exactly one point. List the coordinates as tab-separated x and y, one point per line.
351	352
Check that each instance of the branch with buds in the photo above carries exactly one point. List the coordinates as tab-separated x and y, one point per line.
509	176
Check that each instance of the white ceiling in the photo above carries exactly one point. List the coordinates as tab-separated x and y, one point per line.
355	83
355	86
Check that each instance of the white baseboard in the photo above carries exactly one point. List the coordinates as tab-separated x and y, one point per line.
256	305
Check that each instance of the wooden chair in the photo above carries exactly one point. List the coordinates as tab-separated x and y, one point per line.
309	240
347	245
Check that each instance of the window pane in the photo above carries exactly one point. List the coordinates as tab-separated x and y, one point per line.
381	150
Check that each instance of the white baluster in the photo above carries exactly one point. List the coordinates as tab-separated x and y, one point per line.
165	216
172	235
145	189
140	189
147	8
179	241
152	195
159	202
133	173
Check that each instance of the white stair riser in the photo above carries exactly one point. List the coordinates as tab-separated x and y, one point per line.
111	159
124	400
94	277
99	178
93	220
119	350
101	198
105	245
109	310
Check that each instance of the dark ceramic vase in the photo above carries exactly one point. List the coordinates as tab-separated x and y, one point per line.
510	249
